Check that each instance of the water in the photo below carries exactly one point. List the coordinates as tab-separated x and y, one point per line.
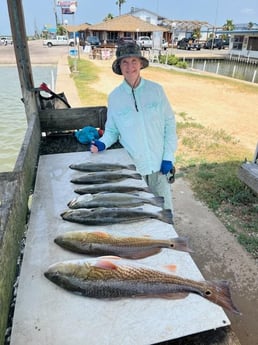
234	69
13	121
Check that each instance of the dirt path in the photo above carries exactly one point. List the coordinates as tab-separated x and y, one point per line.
219	105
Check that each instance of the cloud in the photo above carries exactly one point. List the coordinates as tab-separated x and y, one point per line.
247	10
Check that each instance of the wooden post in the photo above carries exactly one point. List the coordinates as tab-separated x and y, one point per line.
22	56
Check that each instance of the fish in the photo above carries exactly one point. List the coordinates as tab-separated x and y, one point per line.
109	187
91	167
110	278
113	200
101	243
113	215
102	177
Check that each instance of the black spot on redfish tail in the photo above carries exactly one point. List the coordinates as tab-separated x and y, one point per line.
181	243
219	293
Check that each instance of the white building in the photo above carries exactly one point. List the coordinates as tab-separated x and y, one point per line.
244	43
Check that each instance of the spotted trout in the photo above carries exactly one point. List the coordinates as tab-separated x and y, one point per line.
113	215
115	278
91	167
110	187
113	200
102	243
103	177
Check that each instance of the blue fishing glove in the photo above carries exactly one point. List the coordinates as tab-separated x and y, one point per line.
101	146
166	166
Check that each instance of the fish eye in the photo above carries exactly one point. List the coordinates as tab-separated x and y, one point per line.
172	245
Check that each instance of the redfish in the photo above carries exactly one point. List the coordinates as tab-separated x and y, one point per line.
113	278
101	243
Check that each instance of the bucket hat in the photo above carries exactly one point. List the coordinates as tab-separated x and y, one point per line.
129	49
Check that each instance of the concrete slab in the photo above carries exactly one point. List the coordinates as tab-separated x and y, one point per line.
47	314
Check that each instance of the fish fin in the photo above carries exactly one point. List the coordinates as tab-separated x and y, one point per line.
180	243
219	293
105	264
175	295
143	253
101	234
171	267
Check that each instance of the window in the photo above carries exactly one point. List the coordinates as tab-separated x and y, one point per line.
252	43
238	42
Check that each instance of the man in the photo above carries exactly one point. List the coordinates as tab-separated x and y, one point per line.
140	117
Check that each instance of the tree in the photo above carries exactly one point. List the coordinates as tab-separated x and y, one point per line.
250	25
197	33
120	3
228	26
109	16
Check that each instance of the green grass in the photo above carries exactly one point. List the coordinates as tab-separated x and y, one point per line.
87	73
208	158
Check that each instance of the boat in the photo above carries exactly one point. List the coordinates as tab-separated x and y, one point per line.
49	136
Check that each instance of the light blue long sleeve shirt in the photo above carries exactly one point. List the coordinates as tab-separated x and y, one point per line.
149	135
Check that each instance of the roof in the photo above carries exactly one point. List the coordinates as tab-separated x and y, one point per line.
127	23
186	24
76	28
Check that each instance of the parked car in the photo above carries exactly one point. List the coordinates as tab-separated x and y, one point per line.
122	40
93	41
215	43
188	44
6	40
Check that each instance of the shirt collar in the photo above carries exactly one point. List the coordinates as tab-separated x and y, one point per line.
128	88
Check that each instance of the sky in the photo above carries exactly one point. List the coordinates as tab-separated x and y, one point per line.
216	12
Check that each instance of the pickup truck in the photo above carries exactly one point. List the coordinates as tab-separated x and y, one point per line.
188	44
58	41
145	42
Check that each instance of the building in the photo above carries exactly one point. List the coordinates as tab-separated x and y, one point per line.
244	43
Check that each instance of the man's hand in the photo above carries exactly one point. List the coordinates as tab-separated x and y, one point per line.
97	146
166	166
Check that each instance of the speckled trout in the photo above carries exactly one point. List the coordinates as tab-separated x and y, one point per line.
114	215
110	187
113	200
114	278
103	177
101	243
91	167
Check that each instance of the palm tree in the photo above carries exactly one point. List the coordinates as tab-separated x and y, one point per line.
229	26
250	25
120	3
109	16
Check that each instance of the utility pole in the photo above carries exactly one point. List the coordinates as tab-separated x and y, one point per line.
55	12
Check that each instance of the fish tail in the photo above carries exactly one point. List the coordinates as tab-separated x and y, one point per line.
137	176
181	243
166	216
131	167
157	201
219	293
